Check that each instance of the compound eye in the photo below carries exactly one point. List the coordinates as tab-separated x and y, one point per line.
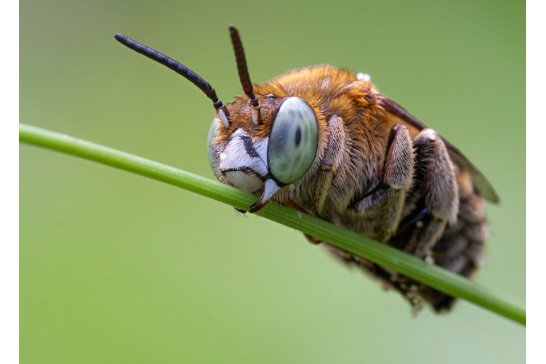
213	133
293	140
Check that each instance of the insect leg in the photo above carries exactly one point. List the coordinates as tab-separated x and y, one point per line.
389	194
397	178
335	156
461	247
440	191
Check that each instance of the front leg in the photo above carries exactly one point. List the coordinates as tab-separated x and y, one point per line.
391	191
334	158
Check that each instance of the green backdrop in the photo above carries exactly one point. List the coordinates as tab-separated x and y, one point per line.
115	268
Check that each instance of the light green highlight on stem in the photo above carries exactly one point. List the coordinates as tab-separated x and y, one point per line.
384	255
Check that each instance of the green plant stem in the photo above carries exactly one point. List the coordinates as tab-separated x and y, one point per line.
382	254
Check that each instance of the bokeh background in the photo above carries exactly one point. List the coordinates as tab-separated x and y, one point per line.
116	268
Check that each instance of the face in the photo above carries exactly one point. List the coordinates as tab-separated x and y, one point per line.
255	143
274	151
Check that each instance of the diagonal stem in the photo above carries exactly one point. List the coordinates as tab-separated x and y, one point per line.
389	257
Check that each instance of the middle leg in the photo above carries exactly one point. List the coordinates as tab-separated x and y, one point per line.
396	180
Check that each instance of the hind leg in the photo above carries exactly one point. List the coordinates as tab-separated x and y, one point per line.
440	202
461	248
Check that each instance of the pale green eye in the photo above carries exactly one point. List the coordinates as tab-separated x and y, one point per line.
213	133
293	141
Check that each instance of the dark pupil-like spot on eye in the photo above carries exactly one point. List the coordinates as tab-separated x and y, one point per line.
298	136
271	96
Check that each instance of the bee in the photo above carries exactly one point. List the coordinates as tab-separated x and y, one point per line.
324	141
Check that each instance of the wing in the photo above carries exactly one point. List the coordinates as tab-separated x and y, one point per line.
481	184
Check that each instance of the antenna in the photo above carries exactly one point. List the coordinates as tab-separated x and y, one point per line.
243	72
181	70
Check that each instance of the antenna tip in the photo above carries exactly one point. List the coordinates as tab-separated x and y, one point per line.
119	37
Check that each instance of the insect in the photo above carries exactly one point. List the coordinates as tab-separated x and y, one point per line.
324	141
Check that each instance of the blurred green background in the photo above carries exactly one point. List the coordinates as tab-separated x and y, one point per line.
116	268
